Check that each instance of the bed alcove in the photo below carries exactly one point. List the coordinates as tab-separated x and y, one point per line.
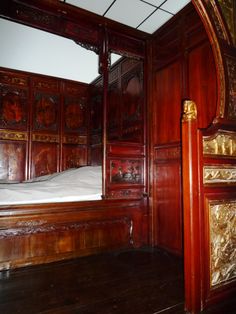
48	138
146	183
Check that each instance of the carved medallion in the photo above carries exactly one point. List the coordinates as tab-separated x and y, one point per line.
222	219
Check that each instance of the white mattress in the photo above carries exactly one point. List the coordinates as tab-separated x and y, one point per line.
80	184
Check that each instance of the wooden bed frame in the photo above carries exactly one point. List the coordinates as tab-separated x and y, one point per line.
49	124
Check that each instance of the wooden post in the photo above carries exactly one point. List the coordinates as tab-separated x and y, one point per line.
191	208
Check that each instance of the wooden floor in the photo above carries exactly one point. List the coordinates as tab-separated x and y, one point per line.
136	282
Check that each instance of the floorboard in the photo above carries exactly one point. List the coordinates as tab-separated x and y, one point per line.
138	281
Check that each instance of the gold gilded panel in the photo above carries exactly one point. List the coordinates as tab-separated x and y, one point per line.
222	219
219	174
13	135
45	138
75	139
222	143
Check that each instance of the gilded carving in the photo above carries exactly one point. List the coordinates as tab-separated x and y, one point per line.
228	9
222	220
9	79
48	138
231	68
189	110
219	174
75	139
13	135
222	143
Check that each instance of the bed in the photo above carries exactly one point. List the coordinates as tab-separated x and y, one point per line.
44	150
79	184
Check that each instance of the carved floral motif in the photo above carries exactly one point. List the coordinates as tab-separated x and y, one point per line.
222	218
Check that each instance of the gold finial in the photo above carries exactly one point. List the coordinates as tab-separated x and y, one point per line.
190	111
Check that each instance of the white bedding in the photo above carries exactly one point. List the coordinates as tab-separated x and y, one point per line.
80	184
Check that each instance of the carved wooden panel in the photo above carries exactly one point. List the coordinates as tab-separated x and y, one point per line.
12	160
114	111
46	112
13	108
44	158
167	194
74	156
75	114
222	143
132	101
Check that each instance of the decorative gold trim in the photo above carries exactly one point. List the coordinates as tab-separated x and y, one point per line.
222	143
49	138
222	229
13	135
75	139
219	174
189	110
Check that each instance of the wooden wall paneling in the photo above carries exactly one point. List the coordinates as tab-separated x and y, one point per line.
183	64
12	160
95	119
75	125
202	82
132	102
45	158
167	105
168	194
14	119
